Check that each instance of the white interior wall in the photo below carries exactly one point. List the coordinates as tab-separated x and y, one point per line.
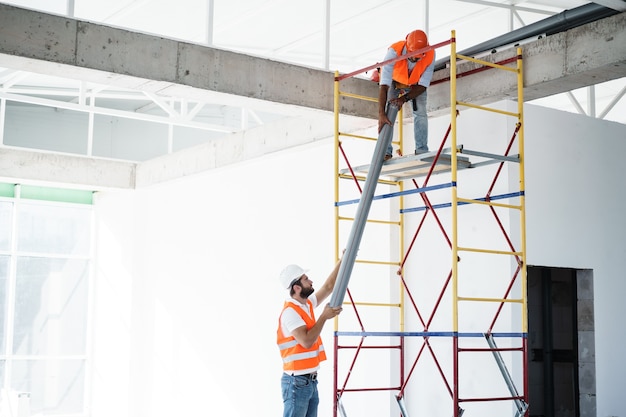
200	291
187	298
575	198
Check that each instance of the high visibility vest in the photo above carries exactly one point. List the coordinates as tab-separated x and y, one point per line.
295	356
401	68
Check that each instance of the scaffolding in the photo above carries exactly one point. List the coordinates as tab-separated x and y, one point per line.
419	326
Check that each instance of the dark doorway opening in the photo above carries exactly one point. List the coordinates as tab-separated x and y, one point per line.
559	320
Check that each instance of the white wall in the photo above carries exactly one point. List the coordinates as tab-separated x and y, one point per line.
187	297
575	205
188	286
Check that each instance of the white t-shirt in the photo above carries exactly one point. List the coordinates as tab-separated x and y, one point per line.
290	319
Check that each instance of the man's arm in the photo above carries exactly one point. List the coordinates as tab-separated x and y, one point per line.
327	288
382	107
305	337
383	91
414	92
386	73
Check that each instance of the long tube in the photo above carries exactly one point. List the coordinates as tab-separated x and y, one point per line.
360	218
566	20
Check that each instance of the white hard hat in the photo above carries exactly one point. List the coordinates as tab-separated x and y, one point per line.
290	274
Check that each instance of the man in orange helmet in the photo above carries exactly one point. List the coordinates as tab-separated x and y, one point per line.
407	80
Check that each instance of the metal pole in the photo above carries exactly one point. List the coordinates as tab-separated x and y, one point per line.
456	411
354	240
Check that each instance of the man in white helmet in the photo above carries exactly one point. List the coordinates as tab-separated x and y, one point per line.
298	338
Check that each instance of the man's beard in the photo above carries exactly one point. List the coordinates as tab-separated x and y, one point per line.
306	292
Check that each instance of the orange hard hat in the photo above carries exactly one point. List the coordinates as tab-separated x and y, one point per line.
416	40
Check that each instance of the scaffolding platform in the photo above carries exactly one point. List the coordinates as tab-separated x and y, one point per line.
414	166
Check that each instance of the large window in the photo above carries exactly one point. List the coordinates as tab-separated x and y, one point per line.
45	258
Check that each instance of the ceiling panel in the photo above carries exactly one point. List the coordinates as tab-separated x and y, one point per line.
290	31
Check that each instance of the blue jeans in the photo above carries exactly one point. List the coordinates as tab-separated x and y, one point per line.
300	396
420	120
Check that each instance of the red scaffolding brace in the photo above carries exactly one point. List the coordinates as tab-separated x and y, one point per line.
387	357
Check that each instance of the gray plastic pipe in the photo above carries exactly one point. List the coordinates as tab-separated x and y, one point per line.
360	219
566	20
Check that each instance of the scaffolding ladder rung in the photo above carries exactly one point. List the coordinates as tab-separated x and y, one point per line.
362	261
359	96
490	109
352	135
492	300
362	178
359	347
492	251
357	389
500	158
362	303
390	222
486	63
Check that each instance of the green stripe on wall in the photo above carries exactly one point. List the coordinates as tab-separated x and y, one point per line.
56	194
7	190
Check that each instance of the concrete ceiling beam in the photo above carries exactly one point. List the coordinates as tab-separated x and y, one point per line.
48	44
580	57
44	168
55	45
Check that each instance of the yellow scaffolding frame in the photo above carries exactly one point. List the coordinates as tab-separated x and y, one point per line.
519	255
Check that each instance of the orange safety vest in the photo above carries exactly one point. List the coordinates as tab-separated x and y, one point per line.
401	68
295	356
